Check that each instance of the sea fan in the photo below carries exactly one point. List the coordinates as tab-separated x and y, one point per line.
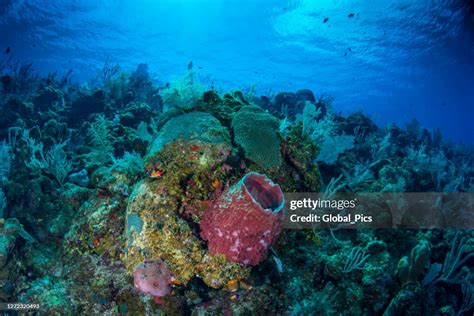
101	147
183	92
323	133
55	163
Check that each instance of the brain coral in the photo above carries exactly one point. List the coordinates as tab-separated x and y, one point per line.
256	132
191	126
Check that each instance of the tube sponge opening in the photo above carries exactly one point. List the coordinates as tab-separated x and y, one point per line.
264	192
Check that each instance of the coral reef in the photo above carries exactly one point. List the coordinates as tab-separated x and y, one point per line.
155	228
9	271
128	197
223	108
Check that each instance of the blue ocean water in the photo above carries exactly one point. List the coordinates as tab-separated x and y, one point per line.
394	59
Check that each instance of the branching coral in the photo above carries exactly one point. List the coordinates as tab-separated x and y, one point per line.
454	267
101	142
108	71
57	163
130	163
54	163
20	77
355	260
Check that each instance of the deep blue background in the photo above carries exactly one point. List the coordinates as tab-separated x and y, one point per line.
393	59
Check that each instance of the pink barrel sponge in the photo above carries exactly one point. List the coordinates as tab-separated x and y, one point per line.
245	220
153	277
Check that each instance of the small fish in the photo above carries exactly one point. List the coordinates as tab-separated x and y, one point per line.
190	65
199	67
233	285
278	264
351	15
234	296
7	51
157	173
349	49
232	282
195	148
325	20
176	282
216	183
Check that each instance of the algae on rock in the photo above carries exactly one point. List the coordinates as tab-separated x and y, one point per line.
159	206
167	236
